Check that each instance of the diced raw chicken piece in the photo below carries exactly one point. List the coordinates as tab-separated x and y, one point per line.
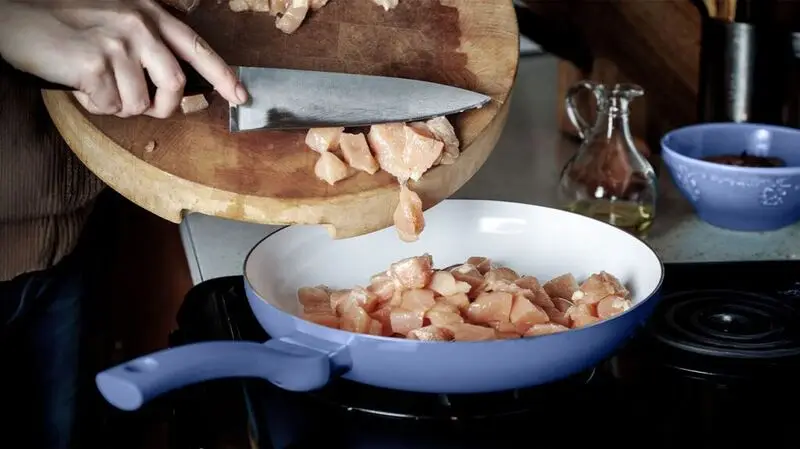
483	264
581	315
490	307
443	313
291	20
497	275
469	274
431	333
386	4
413	272
383	315
459	300
472	332
540	296
277	7
557	316
323	139
357	297
404	321
409	220
525	314
443	130
193	103
418	299
355	319
330	168
382	286
402	151
315	300
317	4
611	306
562	286
562	304
445	284
356	152
249	5
323	319
376	328
544	329
597	287
504	327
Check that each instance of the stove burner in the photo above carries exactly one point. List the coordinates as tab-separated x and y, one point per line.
727	323
354	397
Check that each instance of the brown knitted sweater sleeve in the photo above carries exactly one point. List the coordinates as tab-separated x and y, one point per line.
46	193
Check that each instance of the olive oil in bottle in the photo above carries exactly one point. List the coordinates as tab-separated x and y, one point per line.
608	178
633	217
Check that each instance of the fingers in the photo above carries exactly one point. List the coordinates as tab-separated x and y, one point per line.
131	84
98	87
190	47
168	78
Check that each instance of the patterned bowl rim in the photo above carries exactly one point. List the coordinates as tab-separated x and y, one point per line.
730	169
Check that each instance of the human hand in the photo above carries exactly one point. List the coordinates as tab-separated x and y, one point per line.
102	49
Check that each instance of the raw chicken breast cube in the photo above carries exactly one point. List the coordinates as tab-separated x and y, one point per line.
445	284
330	168
431	333
413	272
403	151
490	307
563	286
409	220
324	139
290	21
472	332
357	154
404	321
525	314
386	4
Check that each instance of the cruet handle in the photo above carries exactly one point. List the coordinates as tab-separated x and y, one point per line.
581	125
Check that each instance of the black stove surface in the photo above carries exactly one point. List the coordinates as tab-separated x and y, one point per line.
715	367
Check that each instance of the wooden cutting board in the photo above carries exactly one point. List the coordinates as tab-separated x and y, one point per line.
267	177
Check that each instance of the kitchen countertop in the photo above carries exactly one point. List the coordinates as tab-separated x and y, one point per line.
524	167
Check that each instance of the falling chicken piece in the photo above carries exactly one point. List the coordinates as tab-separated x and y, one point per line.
413	272
324	139
355	151
409	221
386	4
403	151
330	168
611	306
193	103
291	20
317	4
431	333
412	300
150	146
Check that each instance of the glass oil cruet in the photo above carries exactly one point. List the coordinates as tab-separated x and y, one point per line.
608	178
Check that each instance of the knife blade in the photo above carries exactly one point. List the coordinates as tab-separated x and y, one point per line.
289	99
292	99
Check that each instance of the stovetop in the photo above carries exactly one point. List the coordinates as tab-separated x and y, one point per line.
716	366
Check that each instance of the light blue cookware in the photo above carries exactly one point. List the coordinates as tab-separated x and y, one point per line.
303	356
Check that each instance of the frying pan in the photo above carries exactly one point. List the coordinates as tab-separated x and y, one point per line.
303	356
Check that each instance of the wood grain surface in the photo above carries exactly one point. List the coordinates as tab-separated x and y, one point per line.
267	177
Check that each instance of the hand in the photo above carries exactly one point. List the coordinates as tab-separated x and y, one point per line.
102	48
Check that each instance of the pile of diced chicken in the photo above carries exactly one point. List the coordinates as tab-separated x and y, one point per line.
406	151
290	13
469	302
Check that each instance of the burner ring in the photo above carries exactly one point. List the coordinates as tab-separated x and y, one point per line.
727	323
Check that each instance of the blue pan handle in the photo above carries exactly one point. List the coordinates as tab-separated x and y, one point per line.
290	366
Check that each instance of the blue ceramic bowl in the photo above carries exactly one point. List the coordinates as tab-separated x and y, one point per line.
738	198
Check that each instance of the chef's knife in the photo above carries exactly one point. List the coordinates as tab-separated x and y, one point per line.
289	99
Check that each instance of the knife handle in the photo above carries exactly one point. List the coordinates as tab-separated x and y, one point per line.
195	83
